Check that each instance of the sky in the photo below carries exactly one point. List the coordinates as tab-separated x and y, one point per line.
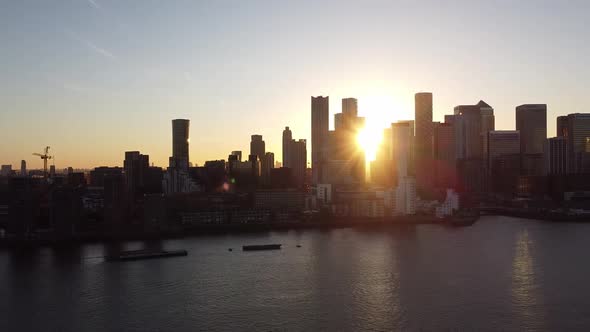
95	78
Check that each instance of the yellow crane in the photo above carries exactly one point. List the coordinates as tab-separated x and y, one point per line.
45	156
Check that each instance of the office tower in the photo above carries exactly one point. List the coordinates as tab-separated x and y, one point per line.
445	167
287	138
6	170
504	160
472	123
561	126
23	168
531	121
503	142
350	107
423	142
238	155
556	156
319	135
266	165
52	171
400	148
180	141
577	133
298	161
382	168
136	167
338	121
115	202
177	178
257	146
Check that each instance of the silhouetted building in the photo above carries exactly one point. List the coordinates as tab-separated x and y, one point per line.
282	178
99	173
23	168
298	160
257	147
502	142
556	156
238	155
504	171
180	143
561	130
531	121
319	135
287	138
6	170
115	203
65	212
177	178
445	166
423	143
577	134
267	163
136	168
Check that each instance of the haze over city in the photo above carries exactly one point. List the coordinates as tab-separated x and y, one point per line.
93	78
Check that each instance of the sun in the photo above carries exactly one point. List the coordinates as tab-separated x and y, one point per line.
369	139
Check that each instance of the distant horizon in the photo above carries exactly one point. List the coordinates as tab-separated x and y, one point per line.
93	79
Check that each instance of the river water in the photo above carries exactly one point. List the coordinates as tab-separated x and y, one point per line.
499	274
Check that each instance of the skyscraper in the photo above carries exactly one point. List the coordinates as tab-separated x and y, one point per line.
561	126
266	165
287	138
577	133
257	146
136	166
504	160
423	142
298	160
444	154
319	135
556	156
180	141
400	149
23	168
531	121
350	107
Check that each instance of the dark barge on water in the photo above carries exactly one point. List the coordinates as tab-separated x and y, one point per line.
261	247
132	255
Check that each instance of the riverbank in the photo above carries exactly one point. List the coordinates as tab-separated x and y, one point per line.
196	230
540	214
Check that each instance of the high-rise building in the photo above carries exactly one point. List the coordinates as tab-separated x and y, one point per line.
504	161
6	170
556	156
298	161
561	123
257	146
177	178
180	141
319	135
23	168
136	167
266	165
503	142
423	143
238	155
577	134
472	124
350	107
405	196
445	166
52	171
531	121
400	148
287	138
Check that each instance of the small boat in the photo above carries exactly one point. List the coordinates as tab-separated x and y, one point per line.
145	254
298	246
261	247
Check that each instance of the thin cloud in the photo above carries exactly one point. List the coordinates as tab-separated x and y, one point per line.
93	3
92	46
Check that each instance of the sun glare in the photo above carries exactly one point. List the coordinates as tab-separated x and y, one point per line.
369	139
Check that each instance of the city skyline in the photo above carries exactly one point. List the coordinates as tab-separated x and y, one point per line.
107	78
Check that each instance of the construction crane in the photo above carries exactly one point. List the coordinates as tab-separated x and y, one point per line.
45	156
